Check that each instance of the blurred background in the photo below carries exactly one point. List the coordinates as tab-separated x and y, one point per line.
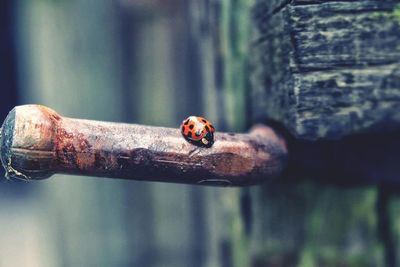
132	61
129	61
155	62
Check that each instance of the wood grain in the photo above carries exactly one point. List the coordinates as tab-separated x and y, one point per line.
327	69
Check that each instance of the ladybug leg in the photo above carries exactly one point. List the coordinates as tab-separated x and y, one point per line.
194	152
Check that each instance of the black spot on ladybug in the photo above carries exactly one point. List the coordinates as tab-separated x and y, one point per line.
207	129
203	120
186	122
191	127
189	134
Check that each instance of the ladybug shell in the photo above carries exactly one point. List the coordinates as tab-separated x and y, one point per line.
195	128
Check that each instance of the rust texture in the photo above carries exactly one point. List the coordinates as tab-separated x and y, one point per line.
37	143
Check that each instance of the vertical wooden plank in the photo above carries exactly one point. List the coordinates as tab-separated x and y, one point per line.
316	225
221	29
392	228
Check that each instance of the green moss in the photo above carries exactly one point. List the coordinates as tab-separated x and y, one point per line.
396	13
307	258
333	227
390	15
235	31
394	211
235	229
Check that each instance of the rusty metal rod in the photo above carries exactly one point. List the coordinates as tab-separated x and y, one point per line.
36	143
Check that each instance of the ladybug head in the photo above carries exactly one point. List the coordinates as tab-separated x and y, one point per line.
208	139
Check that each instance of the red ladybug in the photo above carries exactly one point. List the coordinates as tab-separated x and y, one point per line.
198	131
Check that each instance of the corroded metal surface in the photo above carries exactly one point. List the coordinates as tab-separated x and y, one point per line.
37	142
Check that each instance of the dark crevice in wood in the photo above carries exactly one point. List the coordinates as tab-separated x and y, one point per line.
385	225
360	159
300	68
292	34
355	160
322	2
316	2
281	7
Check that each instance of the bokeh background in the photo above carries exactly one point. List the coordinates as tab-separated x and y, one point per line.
155	62
129	61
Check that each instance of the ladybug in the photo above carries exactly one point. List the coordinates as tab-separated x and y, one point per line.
198	131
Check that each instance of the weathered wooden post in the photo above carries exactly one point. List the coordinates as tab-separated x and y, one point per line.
329	70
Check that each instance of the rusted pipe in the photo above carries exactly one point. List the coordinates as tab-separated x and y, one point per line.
36	143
